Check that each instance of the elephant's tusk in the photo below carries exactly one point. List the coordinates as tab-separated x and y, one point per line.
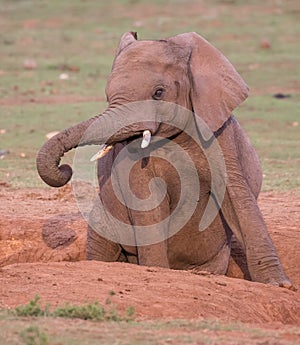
101	153
106	148
146	139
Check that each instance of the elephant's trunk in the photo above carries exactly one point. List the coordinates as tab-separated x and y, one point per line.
49	156
114	125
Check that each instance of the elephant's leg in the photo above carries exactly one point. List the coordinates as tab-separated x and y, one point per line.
246	222
102	249
151	236
251	169
103	236
153	255
243	215
151	224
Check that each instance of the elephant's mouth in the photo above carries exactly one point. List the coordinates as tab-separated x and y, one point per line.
145	141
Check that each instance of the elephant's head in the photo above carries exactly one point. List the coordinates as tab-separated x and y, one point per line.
184	69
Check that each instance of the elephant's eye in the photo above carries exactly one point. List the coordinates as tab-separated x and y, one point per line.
158	93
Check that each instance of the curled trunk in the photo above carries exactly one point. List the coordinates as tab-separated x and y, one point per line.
50	154
114	125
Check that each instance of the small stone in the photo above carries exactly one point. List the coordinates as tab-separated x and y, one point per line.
64	76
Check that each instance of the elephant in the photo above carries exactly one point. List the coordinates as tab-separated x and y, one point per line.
188	90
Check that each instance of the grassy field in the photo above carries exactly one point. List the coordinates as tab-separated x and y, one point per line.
40	40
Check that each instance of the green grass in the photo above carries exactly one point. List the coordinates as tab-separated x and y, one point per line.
26	128
33	336
34	324
274	129
54	331
91	311
82	42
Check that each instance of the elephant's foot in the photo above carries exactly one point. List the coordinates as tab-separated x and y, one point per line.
269	271
287	284
284	283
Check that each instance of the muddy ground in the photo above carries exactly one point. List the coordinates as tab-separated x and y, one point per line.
42	251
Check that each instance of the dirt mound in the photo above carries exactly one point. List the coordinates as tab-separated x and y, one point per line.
38	227
154	292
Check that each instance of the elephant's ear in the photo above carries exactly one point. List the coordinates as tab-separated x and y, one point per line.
126	39
216	87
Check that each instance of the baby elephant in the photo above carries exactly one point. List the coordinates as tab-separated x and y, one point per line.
177	174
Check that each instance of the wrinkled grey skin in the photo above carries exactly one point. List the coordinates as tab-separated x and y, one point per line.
188	71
